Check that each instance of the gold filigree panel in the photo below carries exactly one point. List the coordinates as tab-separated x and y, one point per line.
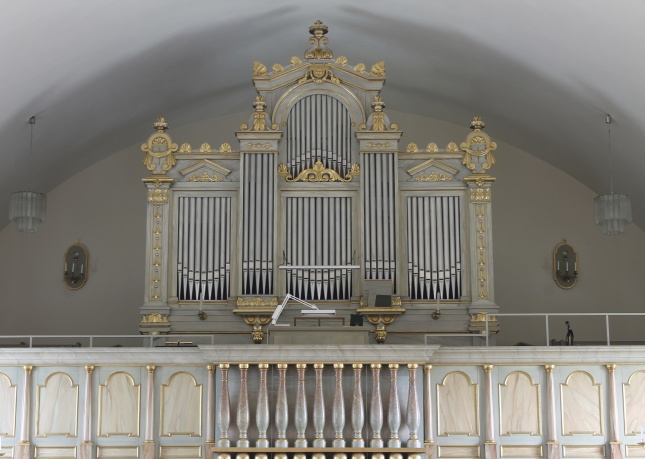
318	173
8	400
181	406
57	406
457	405
634	403
581	408
519	405
119	406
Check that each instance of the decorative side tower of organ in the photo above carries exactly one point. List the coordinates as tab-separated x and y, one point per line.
318	200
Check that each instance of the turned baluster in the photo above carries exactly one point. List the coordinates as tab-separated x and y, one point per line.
394	410
358	413
224	409
376	407
301	407
413	408
262	413
281	409
319	408
243	408
338	410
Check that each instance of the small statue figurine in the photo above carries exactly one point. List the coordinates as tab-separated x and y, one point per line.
569	339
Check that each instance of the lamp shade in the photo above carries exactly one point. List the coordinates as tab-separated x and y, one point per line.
27	210
613	212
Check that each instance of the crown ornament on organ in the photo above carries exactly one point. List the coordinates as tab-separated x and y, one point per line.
319	42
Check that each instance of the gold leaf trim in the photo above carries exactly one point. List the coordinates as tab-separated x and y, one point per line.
257	301
342	61
378	69
277	68
204	177
185	148
154	318
253	146
378	144
434	177
225	148
259	69
480	194
412	148
295	60
319	173
158	195
360	68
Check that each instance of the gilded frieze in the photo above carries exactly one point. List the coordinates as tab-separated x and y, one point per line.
318	173
378	145
433	177
479	194
154	318
204	177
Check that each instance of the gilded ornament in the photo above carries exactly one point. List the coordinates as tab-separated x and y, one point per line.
432	148
319	73
378	144
479	194
158	195
255	146
185	148
482	317
342	61
412	148
478	148
396	301
159	149
378	69
204	177
452	148
434	177
277	68
378	120
259	69
319	173
380	334
225	148
257	335
360	68
205	148
257	301
154	318
295	60
319	49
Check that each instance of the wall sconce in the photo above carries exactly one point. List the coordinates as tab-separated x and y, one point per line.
565	265
76	266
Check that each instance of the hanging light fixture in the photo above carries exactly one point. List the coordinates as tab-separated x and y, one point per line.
28	209
613	211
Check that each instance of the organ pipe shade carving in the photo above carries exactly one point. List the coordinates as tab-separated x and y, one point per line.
204	248
319	237
434	247
319	128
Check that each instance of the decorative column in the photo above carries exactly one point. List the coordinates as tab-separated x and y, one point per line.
319	408
413	407
394	410
23	450
478	157
243	407
358	413
490	443
376	407
281	408
338	408
224	407
262	412
210	407
430	450
553	445
301	407
85	451
615	443
149	442
159	158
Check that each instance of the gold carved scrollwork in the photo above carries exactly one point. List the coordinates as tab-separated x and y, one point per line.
257	335
159	149
378	145
478	148
434	177
204	177
318	173
259	119
258	146
154	318
158	195
319	73
378	120
257	302
319	42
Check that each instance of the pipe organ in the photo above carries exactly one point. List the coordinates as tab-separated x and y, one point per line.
318	200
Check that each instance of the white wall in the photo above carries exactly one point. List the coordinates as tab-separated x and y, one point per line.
535	206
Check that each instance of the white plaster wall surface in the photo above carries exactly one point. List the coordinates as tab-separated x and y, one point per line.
535	206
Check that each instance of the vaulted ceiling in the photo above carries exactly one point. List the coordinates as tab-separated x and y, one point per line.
542	73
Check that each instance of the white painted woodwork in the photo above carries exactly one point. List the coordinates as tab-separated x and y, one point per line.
119	406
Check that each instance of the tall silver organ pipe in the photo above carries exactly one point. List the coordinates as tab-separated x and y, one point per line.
204	248
319	238
434	247
319	129
379	209
257	227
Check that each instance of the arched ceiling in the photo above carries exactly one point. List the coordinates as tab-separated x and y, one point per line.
542	74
